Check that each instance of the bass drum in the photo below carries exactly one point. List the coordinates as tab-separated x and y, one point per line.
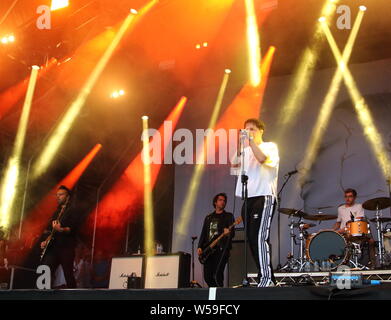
327	245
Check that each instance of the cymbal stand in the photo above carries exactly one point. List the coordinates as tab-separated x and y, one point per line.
356	251
302	259
380	236
290	265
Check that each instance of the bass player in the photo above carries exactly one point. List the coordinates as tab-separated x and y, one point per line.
216	223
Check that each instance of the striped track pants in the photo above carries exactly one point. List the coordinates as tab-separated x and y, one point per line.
259	217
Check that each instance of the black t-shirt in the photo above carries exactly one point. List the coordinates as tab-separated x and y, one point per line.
214	225
71	219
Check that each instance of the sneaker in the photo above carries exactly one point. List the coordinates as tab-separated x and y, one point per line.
271	284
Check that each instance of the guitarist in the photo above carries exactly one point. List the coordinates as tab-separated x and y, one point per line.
60	250
215	224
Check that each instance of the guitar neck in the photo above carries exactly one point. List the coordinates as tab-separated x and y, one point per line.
213	244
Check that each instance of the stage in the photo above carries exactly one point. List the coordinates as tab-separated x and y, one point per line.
380	292
289	286
134	137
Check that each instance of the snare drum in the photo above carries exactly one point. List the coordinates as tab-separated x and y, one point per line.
357	228
327	245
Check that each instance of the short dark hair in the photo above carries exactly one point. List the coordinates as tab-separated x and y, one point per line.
350	190
222	194
258	123
62	187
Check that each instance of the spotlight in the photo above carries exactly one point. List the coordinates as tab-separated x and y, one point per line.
133	11
35	67
11	38
205	44
115	95
227	71
59	4
363	8
198	46
144	117
322	19
121	92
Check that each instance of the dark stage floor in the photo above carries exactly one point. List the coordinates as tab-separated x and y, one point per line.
378	292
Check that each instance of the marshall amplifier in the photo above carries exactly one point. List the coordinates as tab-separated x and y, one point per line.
123	268
167	271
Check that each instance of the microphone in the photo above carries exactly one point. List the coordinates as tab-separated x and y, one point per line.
243	133
291	173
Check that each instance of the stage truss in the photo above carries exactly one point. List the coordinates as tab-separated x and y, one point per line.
319	278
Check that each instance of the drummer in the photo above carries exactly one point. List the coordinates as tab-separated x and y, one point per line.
349	212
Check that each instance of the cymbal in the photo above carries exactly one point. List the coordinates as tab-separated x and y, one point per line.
376	204
320	217
381	220
305	225
292	212
325	207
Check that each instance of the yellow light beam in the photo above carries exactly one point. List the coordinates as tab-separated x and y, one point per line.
61	131
298	89
11	173
253	44
328	103
188	206
149	233
364	115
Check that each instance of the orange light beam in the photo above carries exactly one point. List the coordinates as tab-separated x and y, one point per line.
12	95
248	102
38	218
130	187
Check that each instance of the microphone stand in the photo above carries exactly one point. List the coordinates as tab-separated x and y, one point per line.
287	177
389	191
244	179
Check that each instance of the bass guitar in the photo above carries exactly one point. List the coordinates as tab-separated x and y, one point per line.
211	248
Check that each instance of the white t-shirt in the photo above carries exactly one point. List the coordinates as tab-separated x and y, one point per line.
262	178
344	213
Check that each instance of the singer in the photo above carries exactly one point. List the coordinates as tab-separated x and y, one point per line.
259	163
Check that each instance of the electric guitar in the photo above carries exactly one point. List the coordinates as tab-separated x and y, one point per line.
49	239
211	248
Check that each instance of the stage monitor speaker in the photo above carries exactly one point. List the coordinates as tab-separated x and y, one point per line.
236	263
167	271
124	267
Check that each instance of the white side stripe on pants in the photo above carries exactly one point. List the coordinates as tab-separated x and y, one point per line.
263	246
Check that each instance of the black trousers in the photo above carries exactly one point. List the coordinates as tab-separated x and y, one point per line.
214	268
259	216
65	257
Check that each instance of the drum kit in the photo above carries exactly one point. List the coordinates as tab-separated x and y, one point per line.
327	249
